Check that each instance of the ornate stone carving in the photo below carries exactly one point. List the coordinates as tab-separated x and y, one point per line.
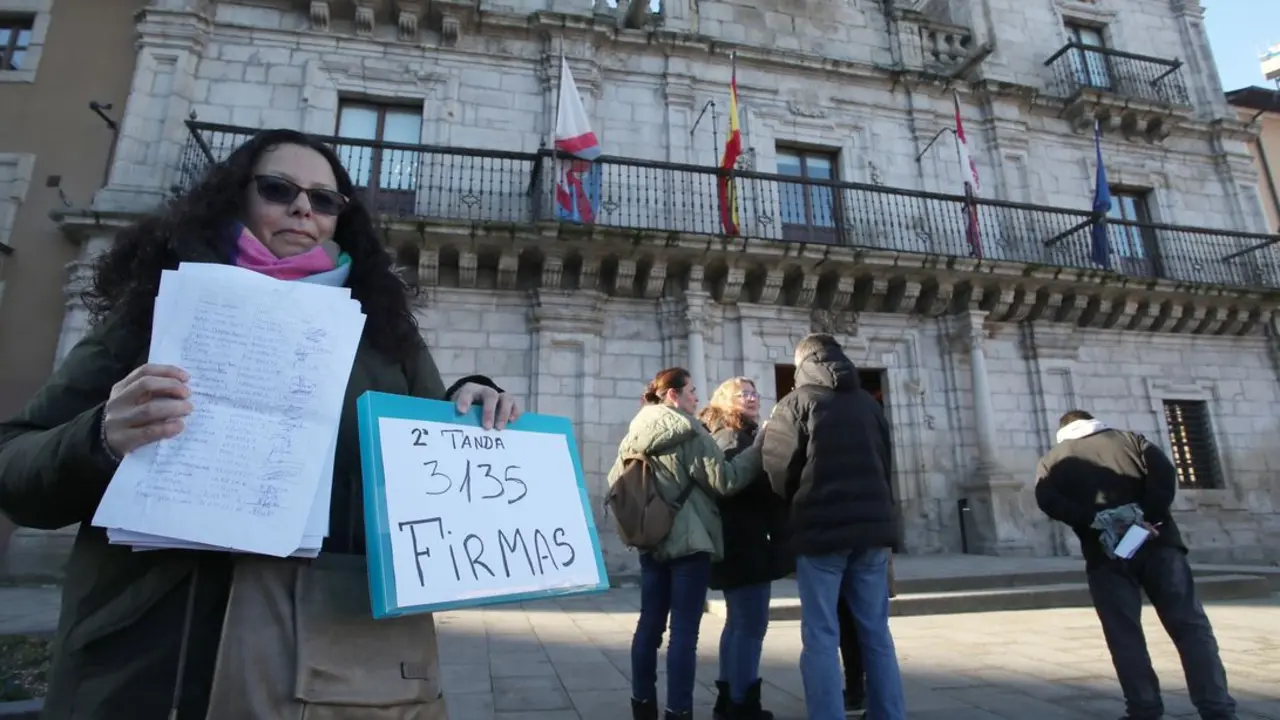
624	281
843	293
801	108
468	263
971	329
407	19
1258	318
1145	316
1070	306
552	272
729	289
879	293
1188	319
902	296
365	21
1213	320
320	15
429	267
1234	321
833	322
1000	302
1097	311
935	298
808	290
697	278
656	280
508	264
450	30
589	275
771	286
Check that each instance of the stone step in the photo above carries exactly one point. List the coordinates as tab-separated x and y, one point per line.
786	604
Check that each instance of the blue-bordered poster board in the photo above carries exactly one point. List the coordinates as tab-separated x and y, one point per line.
457	516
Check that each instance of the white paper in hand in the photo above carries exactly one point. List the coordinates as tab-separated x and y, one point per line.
1132	540
269	363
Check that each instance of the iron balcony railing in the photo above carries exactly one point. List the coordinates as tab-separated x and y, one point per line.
415	182
1077	67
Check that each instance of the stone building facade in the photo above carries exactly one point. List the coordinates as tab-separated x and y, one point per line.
851	222
54	150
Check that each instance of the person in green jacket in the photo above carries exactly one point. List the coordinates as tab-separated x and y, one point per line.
674	576
200	634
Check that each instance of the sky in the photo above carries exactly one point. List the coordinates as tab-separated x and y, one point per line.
1239	31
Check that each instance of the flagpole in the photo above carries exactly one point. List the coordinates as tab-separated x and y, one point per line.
555	120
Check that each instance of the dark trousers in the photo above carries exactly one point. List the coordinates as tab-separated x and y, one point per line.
1164	574
851	652
676	589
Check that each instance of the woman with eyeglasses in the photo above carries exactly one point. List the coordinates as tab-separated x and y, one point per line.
755	554
196	634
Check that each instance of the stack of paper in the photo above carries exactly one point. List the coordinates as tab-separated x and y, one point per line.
253	469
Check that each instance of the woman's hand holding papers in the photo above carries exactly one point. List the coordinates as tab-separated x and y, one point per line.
149	404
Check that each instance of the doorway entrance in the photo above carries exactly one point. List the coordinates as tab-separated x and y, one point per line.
784	381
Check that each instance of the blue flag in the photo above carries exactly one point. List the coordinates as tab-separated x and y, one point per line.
1100	247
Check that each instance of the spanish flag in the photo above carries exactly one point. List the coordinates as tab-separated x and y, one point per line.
732	151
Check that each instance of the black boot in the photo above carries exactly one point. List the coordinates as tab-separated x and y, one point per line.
749	708
673	715
644	709
721	710
855	704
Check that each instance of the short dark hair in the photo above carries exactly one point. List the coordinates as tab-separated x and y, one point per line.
816	342
1072	416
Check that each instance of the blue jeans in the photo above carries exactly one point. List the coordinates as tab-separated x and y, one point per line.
677	588
864	577
743	638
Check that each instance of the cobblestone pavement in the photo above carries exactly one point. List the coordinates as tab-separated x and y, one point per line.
569	660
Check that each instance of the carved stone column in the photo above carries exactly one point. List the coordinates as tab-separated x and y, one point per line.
695	317
994	522
172	35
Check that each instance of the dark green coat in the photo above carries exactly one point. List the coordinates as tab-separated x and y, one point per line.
123	612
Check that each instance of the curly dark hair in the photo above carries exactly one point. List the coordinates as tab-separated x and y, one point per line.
126	278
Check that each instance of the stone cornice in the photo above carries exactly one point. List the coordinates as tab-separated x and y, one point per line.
185	29
833	285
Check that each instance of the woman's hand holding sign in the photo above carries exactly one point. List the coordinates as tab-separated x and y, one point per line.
499	408
149	404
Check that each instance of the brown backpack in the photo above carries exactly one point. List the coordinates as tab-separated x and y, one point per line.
643	516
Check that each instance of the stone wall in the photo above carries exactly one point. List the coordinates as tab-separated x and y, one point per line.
594	356
496	89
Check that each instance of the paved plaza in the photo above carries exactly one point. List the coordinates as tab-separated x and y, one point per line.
569	660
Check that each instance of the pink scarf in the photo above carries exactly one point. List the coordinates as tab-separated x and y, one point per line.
251	254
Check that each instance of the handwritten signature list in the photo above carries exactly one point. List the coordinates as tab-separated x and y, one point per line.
269	362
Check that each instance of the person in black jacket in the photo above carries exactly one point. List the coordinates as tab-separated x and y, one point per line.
826	451
1092	469
755	554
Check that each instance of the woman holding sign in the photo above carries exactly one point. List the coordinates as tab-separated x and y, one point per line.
686	463
755	554
211	634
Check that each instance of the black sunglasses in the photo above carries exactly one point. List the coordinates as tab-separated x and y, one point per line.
279	191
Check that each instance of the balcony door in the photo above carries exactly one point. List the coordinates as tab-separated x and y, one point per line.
385	177
1134	248
810	213
1090	66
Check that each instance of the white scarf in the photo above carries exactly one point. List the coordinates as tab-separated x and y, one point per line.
1081	428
